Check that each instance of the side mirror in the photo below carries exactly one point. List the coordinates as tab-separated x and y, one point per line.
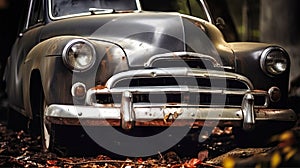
220	23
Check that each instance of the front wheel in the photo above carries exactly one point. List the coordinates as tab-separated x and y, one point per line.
47	131
39	126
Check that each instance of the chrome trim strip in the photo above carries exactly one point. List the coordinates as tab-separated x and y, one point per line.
169	90
138	5
178	55
207	12
28	16
176	72
175	89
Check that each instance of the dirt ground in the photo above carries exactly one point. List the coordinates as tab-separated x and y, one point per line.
18	149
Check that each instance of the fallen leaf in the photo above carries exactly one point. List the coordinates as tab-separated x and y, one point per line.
2	150
202	155
228	130
217	131
139	160
51	162
193	163
103	157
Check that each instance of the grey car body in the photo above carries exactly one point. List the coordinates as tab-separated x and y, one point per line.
124	66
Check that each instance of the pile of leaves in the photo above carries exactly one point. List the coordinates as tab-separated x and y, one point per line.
18	149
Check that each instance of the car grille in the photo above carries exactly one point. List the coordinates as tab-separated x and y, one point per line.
179	87
184	81
190	99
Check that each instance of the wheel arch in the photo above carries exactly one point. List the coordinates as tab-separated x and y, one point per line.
35	87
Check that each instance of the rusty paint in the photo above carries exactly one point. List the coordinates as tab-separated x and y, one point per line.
83	122
259	91
198	24
98	87
141	123
174	55
103	70
166	118
109	54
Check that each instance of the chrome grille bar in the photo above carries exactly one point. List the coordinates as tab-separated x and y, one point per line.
176	72
90	99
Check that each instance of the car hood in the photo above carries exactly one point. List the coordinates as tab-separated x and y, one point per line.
143	35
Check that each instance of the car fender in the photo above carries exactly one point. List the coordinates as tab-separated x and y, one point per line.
55	81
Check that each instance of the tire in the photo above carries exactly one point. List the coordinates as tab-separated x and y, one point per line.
39	126
47	131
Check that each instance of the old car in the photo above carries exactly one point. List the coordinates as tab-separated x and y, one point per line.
138	64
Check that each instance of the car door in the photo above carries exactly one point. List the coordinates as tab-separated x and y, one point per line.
29	36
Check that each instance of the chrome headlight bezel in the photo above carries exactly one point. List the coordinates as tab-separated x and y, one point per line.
83	46
274	64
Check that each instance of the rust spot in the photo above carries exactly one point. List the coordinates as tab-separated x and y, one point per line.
166	118
174	55
157	122
84	122
99	87
259	91
109	54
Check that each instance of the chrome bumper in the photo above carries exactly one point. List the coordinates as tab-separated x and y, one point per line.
144	115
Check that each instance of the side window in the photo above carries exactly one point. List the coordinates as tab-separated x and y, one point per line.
36	15
23	15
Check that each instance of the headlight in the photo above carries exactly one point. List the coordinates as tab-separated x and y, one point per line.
79	55
274	61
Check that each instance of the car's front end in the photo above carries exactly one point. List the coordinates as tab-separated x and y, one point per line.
158	79
159	96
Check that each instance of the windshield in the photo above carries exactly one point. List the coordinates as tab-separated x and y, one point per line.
189	7
70	7
60	8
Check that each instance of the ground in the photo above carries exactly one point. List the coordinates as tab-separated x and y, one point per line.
18	149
